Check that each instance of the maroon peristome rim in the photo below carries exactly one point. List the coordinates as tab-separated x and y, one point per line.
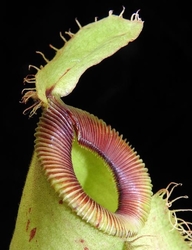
59	125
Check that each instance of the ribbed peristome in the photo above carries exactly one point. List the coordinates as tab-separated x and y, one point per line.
58	127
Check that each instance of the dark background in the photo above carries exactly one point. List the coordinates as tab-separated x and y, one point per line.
143	90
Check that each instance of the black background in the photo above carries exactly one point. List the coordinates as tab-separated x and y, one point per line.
143	90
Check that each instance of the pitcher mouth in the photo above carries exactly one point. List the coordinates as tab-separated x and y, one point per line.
57	129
